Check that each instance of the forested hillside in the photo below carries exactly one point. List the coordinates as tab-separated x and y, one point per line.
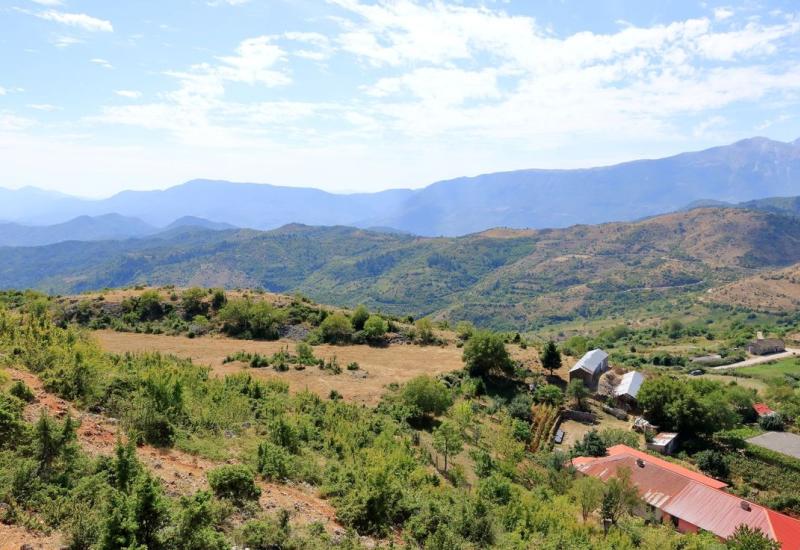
505	278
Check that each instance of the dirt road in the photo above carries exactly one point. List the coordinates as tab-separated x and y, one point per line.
790	352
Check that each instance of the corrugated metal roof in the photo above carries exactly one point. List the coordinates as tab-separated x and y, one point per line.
630	384
663	438
691	496
717	511
591	361
667	465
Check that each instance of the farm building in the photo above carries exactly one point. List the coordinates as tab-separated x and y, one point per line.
664	442
688	500
765	346
626	391
590	367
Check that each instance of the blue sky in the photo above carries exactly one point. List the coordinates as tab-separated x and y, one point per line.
100	96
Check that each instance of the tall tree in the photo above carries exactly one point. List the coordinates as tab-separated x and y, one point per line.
588	493
447	439
551	357
620	496
577	391
485	353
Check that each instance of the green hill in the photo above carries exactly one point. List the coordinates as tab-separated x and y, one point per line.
504	278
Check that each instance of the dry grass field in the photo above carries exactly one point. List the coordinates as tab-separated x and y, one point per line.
378	366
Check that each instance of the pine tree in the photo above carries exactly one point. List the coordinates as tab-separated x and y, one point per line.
150	512
551	357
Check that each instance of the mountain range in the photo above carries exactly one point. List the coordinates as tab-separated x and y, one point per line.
94	228
744	171
503	277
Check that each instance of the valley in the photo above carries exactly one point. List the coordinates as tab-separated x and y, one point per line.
509	279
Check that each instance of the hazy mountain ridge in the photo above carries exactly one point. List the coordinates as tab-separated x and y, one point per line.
94	228
499	277
744	171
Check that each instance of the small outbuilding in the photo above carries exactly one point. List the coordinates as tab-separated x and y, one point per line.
766	346
762	410
590	367
665	443
626	391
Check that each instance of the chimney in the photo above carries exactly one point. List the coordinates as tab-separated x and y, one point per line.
745	505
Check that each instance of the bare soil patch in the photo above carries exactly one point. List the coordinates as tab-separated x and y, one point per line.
181	472
378	367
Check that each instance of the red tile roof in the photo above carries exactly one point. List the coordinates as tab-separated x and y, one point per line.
691	496
762	409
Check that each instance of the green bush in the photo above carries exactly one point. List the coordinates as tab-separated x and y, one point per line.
234	482
336	329
485	353
771	423
713	463
274	461
425	395
21	391
374	328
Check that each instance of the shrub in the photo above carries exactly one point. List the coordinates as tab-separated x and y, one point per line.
265	534
192	302
360	317
426	395
424	331
713	463
771	422
485	353
273	461
248	319
375	327
591	445
550	394
234	482
465	330
21	391
10	419
305	354
520	407
336	329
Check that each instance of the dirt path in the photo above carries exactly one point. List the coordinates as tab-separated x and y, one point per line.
790	352
181	473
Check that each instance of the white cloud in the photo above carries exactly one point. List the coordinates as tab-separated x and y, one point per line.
80	20
10	122
440	86
130	94
47	107
196	112
722	13
227	2
3	91
50	3
439	75
321	44
101	62
66	41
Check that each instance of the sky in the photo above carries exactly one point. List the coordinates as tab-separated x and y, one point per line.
97	96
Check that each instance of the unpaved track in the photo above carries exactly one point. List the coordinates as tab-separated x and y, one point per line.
790	352
181	472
